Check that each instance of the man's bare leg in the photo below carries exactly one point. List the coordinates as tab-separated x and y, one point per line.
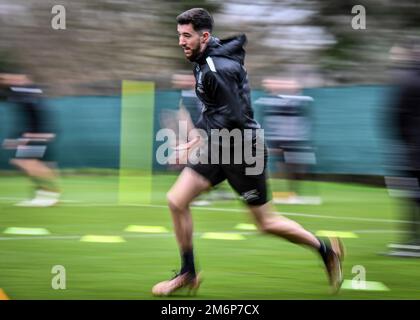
268	222
188	186
280	226
45	179
35	169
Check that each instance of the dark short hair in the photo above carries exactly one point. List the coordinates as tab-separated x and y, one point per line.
198	17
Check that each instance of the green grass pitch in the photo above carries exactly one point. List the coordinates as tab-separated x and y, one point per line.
259	267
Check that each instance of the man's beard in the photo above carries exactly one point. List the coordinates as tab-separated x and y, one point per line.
195	52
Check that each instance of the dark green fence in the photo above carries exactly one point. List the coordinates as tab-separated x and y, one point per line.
350	131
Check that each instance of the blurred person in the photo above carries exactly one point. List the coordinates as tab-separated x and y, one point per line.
189	100
222	86
287	128
405	117
191	108
33	137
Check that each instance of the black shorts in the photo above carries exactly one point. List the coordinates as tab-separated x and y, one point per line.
293	152
252	188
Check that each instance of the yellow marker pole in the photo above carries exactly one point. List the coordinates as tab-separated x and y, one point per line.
136	143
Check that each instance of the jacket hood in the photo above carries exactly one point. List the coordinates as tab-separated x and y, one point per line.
231	48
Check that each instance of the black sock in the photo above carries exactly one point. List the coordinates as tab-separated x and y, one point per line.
323	249
188	262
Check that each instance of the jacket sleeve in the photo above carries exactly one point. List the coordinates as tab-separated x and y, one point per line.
223	86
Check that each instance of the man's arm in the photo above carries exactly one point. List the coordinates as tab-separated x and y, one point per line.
223	85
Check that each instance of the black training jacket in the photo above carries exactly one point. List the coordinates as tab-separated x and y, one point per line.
222	86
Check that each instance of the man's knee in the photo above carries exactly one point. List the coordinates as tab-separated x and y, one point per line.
264	217
175	204
265	226
273	225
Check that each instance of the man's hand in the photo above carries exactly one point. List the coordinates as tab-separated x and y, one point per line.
182	151
189	145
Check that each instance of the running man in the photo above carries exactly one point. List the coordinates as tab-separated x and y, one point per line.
222	86
33	139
